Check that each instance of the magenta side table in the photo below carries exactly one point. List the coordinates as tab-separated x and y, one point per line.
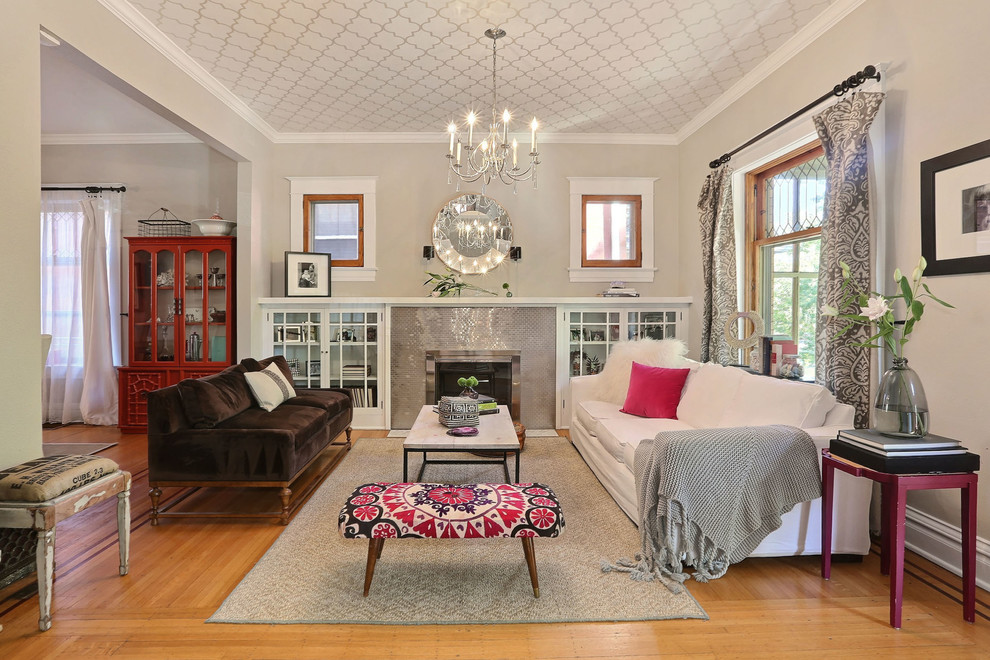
893	503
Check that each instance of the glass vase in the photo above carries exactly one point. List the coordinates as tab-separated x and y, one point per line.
901	408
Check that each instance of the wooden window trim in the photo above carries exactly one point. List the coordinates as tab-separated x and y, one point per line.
307	226
755	228
637	204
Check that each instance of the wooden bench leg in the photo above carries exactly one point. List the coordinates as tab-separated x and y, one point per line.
285	495
530	552
374	552
45	562
124	529
155	494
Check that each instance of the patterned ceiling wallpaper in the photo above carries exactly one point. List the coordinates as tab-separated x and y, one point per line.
579	66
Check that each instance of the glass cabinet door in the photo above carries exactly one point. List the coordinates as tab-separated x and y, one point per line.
166	303
592	335
353	355
194	341
142	307
296	335
216	306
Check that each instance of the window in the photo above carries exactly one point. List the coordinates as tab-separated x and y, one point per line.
785	209
334	224
336	214
611	231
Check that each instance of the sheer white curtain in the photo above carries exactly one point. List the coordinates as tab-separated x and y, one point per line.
80	305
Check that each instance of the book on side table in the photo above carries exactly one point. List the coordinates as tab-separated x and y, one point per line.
932	453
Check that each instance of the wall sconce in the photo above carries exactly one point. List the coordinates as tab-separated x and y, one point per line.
429	252
515	253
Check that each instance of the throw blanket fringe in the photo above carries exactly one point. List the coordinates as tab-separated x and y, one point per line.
708	497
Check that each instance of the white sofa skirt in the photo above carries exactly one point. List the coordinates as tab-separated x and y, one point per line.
800	531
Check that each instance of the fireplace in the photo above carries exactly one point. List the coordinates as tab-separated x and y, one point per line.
529	331
498	374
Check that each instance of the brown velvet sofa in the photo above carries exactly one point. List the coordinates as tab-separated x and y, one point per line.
210	432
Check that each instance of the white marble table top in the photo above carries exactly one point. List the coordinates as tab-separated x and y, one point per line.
495	432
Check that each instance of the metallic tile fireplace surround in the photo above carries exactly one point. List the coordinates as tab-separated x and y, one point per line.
529	330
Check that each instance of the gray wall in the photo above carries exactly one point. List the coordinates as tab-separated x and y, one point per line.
187	179
412	187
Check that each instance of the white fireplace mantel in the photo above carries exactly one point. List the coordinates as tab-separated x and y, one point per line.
480	301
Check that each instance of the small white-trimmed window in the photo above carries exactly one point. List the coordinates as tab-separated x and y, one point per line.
334	224
336	215
611	229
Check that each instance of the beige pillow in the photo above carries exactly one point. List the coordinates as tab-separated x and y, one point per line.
612	383
269	387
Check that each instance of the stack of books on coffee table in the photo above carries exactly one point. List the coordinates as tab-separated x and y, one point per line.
894	455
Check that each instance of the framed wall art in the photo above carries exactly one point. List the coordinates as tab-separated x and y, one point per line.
307	274
955	211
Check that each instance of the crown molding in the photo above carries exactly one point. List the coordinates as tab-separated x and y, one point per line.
383	137
798	42
118	138
145	29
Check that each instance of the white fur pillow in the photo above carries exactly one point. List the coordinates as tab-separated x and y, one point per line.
612	383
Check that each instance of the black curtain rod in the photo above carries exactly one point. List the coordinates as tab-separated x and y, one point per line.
852	82
90	189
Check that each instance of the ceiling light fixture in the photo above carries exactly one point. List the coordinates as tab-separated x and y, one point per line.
494	157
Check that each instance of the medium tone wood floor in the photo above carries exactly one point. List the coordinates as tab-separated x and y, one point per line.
182	570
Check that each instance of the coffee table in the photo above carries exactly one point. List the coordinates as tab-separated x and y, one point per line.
495	433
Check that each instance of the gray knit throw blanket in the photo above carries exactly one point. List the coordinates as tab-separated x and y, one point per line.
707	497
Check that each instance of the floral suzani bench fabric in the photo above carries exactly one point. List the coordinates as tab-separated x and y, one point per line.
421	510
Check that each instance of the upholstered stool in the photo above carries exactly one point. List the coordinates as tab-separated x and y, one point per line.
441	511
41	493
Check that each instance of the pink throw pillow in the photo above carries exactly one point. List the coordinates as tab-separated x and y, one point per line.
654	391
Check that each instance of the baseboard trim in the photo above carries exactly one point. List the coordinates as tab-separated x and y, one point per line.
941	543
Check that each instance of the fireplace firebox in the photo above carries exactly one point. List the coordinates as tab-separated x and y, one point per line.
497	373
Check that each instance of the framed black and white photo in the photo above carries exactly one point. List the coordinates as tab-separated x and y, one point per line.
307	274
955	211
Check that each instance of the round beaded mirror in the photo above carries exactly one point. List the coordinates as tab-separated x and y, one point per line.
472	234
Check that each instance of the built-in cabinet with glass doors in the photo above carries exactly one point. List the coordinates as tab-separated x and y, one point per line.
180	317
332	347
593	332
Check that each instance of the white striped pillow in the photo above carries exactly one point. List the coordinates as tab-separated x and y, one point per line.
269	387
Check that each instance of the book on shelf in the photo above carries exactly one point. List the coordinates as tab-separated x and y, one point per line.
896	463
620	294
890	444
355	370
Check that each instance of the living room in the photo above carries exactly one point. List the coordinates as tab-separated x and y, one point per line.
923	51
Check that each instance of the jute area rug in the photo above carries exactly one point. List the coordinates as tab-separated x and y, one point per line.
312	575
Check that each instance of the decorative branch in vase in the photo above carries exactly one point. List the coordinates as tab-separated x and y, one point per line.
901	408
450	285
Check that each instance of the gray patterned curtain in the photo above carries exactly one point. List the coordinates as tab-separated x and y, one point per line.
718	256
846	236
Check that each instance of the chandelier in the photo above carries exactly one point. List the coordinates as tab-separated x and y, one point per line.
493	157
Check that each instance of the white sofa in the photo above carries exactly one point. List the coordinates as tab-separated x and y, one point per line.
717	396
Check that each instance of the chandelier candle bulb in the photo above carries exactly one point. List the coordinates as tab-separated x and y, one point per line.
453	129
534	125
458	153
470	119
515	153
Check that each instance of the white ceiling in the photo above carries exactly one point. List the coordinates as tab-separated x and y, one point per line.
359	66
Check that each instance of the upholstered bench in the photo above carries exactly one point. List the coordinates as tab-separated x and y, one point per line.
41	493
386	510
